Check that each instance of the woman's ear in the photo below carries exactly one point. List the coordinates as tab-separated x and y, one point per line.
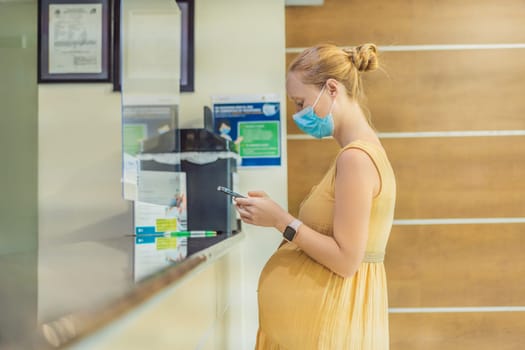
332	86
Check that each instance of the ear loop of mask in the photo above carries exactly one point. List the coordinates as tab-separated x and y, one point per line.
331	107
318	96
317	100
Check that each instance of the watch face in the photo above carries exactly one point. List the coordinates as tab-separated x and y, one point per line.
289	233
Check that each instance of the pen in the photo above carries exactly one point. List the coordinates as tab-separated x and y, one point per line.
192	234
179	234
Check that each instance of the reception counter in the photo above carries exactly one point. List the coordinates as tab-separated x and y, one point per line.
99	326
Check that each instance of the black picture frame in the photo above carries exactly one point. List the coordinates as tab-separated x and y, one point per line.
187	59
116	51
44	74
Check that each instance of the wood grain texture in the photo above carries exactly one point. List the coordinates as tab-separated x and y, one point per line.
456	265
436	177
444	90
459	177
458	331
404	22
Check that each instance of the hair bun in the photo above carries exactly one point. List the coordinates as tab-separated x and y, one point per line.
364	57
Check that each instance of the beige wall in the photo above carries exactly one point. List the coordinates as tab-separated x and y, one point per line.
217	307
240	50
80	206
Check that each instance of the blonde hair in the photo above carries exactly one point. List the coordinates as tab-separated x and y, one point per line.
319	63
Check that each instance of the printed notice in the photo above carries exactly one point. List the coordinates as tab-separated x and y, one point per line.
75	38
253	125
260	139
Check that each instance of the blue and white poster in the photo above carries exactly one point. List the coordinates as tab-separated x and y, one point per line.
253	124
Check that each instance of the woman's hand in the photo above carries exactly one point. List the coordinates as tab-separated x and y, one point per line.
259	209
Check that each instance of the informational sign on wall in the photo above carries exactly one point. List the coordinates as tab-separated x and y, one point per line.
253	124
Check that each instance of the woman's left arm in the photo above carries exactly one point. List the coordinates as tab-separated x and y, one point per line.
357	181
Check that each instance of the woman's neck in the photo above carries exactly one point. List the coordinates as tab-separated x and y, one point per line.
352	125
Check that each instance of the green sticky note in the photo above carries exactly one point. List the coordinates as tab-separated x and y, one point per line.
164	243
166	225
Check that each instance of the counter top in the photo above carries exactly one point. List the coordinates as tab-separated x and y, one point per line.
68	328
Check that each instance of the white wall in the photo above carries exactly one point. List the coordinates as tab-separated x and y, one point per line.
240	49
80	207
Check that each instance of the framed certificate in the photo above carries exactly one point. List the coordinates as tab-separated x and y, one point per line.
74	41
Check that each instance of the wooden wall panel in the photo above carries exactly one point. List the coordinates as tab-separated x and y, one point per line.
401	22
436	177
456	265
444	90
458	331
459	177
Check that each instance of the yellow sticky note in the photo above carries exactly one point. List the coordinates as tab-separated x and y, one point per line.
165	225
166	243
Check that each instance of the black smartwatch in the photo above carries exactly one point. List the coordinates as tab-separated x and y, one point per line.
291	230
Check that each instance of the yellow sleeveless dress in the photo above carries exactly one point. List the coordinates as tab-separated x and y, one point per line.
303	305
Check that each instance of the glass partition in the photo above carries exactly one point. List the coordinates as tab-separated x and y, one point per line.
18	178
151	33
171	174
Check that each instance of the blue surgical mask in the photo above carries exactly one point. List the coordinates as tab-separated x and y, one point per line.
312	124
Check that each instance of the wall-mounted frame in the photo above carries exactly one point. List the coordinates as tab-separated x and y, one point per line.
74	40
115	69
187	69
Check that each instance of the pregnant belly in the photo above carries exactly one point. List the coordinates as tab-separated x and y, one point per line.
292	292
